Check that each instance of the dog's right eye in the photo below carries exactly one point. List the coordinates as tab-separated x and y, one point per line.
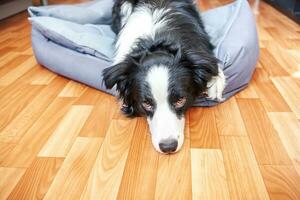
180	102
147	106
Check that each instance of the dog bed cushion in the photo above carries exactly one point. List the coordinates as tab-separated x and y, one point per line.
80	46
94	12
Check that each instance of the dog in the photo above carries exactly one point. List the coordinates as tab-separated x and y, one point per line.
163	61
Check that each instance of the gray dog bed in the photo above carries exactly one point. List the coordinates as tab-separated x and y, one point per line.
76	41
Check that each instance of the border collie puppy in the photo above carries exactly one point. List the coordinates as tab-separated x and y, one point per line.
163	61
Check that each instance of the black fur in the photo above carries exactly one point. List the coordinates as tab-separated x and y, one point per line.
183	46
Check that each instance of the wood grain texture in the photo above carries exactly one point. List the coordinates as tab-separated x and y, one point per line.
24	120
8	93
36	180
98	122
288	128
175	171
73	174
7	63
105	178
270	64
282	182
270	97
287	61
203	129
9	179
14	74
260	75
208	175
14	96
290	92
35	138
12	108
244	178
277	36
42	77
266	143
72	89
91	96
5	149
10	56
248	92
28	52
229	120
65	134
264	35
139	177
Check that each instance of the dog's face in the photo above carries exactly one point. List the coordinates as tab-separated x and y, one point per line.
160	86
170	95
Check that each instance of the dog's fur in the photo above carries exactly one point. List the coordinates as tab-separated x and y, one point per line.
164	60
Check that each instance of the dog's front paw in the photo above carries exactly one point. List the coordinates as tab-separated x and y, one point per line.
216	86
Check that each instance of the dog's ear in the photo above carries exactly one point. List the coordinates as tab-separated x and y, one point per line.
115	74
119	76
203	65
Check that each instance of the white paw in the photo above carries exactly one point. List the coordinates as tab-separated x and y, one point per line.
216	86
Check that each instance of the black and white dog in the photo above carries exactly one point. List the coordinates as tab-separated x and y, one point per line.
164	60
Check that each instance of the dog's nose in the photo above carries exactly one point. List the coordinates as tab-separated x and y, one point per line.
168	145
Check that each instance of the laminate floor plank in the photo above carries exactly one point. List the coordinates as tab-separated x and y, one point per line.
209	179
266	143
282	182
288	128
34	139
229	120
62	139
26	118
139	178
107	172
9	179
72	176
244	178
289	89
37	178
203	128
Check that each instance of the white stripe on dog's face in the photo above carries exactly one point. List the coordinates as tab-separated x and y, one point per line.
164	125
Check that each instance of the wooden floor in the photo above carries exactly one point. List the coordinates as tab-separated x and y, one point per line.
62	140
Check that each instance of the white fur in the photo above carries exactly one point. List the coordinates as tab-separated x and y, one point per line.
164	124
126	10
141	23
216	86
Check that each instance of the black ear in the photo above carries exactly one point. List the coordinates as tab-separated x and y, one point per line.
204	66
119	75
115	74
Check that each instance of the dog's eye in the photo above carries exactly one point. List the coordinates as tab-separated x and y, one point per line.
180	102
147	106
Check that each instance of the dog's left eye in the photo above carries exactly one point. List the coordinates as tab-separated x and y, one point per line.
180	102
147	106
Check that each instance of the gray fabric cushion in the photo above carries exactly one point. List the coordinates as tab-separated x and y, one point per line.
88	49
69	63
96	40
94	12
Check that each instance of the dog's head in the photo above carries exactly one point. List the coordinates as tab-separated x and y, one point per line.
161	85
